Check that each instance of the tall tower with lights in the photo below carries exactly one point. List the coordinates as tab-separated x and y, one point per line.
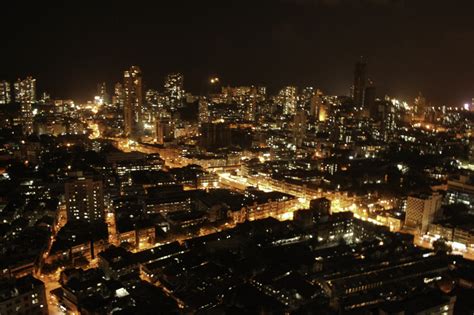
174	90
133	101
360	82
5	92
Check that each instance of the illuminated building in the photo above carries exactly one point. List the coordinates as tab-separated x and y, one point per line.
204	114
118	97
360	81
133	102
25	94
174	90
164	130
5	92
102	93
389	123
318	109
287	98
84	199
25	295
25	90
27	118
250	108
420	105
421	210
304	99
321	207
299	127
369	100
461	191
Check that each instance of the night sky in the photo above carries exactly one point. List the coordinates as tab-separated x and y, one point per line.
410	45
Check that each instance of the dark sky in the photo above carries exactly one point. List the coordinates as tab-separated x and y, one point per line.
411	45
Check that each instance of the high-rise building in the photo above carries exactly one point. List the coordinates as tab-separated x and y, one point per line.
304	101
250	103
118	97
317	108
174	90
360	82
25	90
102	93
288	98
204	114
369	100
420	105
84	199
421	210
27	118
25	94
133	101
5	92
164	130
300	123
389	123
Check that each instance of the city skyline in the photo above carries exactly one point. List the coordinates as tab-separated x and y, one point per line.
302	43
237	157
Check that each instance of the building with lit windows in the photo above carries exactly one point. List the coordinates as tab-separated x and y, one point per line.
174	90
24	295
117	98
25	90
461	191
204	114
102	93
421	211
318	110
288	99
360	81
27	118
5	92
84	199
164	130
133	101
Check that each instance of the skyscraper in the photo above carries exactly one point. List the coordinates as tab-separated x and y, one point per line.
287	98
204	115
102	93
5	92
117	99
369	100
133	101
420	105
25	90
174	89
304	99
360	82
317	107
84	199
299	127
27	118
25	94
